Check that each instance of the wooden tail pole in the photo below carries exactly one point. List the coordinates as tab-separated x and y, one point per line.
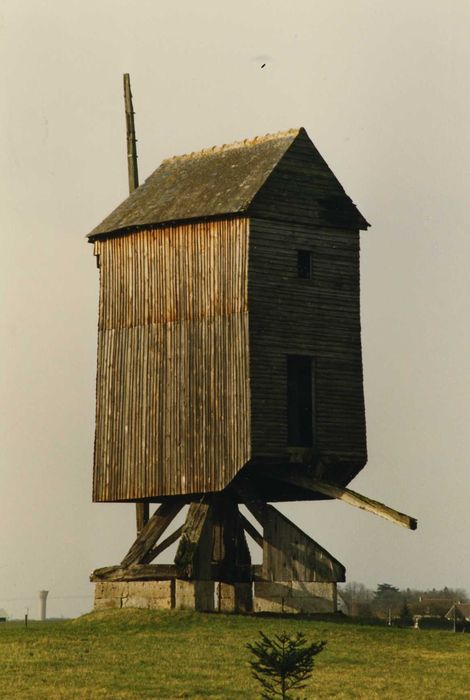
351	497
131	140
141	509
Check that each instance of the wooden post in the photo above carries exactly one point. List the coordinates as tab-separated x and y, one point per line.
230	553
141	516
193	558
213	544
131	140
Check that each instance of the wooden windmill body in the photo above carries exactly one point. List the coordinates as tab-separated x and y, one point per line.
230	371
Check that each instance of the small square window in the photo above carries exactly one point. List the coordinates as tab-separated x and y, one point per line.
304	264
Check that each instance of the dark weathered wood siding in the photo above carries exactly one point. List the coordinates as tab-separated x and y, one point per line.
318	317
303	189
289	554
173	400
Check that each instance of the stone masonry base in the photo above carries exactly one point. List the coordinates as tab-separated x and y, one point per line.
207	596
294	597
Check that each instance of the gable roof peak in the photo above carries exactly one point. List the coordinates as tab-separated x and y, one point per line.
244	143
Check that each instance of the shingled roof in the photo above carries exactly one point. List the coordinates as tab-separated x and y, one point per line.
218	181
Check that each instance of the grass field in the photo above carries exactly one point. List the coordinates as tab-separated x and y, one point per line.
146	654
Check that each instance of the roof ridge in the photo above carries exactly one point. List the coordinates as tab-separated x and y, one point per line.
236	144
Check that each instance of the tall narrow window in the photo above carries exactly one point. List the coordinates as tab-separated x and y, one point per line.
299	401
304	264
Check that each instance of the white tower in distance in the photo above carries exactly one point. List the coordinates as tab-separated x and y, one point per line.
42	604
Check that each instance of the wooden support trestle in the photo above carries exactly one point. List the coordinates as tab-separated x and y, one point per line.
212	547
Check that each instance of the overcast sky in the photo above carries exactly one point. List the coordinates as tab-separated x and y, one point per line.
382	88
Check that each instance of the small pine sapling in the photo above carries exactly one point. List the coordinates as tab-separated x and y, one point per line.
283	663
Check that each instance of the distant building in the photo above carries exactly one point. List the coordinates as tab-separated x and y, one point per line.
432	612
435	607
460	613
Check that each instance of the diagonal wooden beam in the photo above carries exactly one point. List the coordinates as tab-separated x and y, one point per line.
152	531
289	554
148	558
349	496
251	530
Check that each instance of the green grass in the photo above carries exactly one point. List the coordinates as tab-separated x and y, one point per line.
147	654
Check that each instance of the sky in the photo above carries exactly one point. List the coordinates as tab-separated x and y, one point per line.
382	89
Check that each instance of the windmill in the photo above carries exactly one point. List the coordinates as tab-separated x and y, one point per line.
229	372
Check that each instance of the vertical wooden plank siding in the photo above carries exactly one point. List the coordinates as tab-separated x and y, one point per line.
173	392
318	317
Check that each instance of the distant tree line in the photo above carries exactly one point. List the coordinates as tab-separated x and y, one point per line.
388	600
